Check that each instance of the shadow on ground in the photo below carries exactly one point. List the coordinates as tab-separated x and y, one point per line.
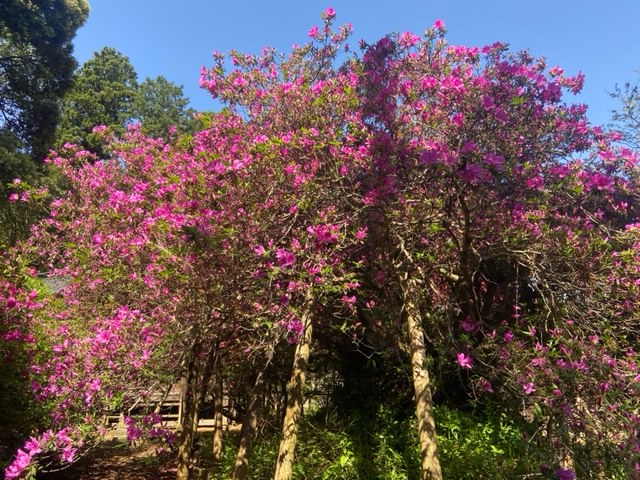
116	461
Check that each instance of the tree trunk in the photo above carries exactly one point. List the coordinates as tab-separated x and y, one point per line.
424	404
189	419
247	433
218	397
295	394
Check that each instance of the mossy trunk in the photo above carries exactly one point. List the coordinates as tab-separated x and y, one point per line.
295	399
248	431
430	465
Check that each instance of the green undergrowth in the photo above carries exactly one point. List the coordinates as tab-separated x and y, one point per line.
383	446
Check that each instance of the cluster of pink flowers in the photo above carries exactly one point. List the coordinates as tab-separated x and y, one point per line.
64	441
150	427
293	329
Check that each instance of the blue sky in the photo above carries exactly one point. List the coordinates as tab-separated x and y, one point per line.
175	38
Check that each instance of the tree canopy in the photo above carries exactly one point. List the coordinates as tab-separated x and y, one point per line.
36	65
103	91
159	105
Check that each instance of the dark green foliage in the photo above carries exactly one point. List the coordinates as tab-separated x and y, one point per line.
14	216
366	430
46	24
15	220
102	94
20	415
34	185
36	66
160	104
13	162
481	446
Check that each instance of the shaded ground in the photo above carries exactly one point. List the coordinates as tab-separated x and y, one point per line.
117	461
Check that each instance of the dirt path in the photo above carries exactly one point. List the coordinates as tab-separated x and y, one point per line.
116	461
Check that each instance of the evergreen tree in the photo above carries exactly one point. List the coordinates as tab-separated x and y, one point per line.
36	66
106	92
160	104
103	91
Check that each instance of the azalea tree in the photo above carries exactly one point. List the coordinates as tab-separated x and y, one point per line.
303	182
165	236
491	200
135	237
442	196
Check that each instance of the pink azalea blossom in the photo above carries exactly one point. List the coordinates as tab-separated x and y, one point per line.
32	446
474	174
408	39
429	157
284	258
457	119
19	464
495	161
528	388
349	299
564	474
324	234
11	302
485	385
68	453
464	360
329	13
469	325
293	327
